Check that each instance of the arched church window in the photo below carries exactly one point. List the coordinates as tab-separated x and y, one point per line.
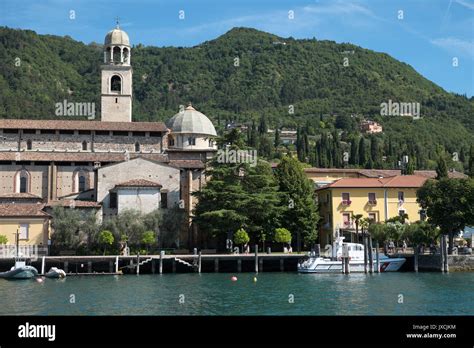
126	56
211	143
117	55
192	141
23	184
108	57
170	141
137	147
82	183
22	181
116	84
29	144
84	145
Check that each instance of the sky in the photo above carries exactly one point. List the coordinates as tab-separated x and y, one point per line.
435	37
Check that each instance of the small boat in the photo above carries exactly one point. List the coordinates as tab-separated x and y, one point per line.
355	251
55	272
20	271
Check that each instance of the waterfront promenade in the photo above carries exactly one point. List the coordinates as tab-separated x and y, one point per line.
165	263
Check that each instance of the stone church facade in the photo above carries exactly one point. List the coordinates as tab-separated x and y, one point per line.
106	166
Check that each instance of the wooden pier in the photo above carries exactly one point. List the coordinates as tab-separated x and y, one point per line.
163	263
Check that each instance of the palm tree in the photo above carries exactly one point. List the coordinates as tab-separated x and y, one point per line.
357	218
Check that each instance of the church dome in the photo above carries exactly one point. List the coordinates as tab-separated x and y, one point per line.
117	37
191	121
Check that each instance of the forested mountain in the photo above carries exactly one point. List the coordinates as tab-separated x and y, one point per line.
247	75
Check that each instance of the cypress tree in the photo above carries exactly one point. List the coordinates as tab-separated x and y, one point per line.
354	158
277	137
442	168
471	161
362	154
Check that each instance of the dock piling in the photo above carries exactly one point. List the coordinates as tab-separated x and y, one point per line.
239	265
161	262
260	265
371	256
282	265
111	266
153	266
364	238
66	266
415	258
174	265
216	265
377	259
199	262
43	261
138	264
256	258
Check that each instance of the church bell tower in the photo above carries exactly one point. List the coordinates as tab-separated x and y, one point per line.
116	80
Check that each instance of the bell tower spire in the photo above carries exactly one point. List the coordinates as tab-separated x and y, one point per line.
116	81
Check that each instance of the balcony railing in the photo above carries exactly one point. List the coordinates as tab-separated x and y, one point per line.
347	224
33	252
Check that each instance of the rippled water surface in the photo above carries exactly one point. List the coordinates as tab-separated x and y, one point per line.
216	294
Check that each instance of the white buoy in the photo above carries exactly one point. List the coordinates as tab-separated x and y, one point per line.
234	278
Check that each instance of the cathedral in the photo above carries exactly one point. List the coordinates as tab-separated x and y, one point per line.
104	166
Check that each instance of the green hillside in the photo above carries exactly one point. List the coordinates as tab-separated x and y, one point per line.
272	74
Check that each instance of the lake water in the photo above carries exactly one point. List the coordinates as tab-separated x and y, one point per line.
216	294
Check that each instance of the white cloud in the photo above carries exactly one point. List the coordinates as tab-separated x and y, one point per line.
465	3
455	46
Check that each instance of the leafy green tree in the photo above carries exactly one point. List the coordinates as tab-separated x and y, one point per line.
301	215
441	168
3	239
471	162
449	204
344	122
238	195
282	235
105	238
362	152
241	237
277	140
66	226
357	218
410	167
354	158
379	232
421	232
148	238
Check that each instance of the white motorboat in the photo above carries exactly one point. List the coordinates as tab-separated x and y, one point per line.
331	262
20	271
55	272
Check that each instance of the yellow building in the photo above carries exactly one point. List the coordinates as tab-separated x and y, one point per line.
29	219
378	199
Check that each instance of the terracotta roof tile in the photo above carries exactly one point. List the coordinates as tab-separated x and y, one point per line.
405	181
72	203
432	174
77	156
23	195
82	125
138	183
22	210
